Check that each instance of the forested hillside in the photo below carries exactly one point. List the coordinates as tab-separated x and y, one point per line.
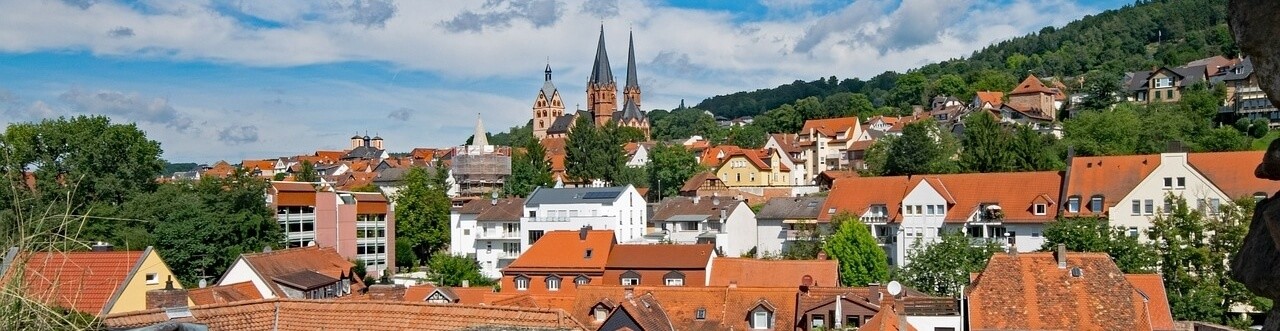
1136	36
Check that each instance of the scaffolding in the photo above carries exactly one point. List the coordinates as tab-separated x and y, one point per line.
480	171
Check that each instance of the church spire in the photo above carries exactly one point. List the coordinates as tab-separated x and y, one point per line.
480	138
632	81
600	72
548	72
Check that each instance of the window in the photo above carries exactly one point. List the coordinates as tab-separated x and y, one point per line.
1148	207
534	235
1168	94
600	312
1095	204
1133	231
701	314
1168	205
760	320
1073	204
1164	82
942	210
553	283
1137	207
581	280
674	281
931	210
1182	183
818	321
1259	196
153	278
673	278
1168	182
1041	209
1214	203
1035	235
630	278
587	255
522	283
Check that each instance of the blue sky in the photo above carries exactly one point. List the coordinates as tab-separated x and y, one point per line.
235	79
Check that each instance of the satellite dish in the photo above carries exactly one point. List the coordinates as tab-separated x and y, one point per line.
895	288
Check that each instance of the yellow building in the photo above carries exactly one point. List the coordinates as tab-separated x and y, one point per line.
98	282
754	168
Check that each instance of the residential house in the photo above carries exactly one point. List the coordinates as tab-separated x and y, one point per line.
659	265
560	258
686	308
826	141
1245	98
260	168
987	100
358	225
621	209
1061	291
788	144
784	220
489	233
98	282
724	222
637	153
1032	104
295	273
1162	84
747	167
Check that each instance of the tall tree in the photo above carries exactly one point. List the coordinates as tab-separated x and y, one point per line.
943	267
747	136
451	270
670	166
861	259
422	211
581	150
1034	151
1095	235
909	90
306	173
922	149
529	170
985	145
1101	87
950	85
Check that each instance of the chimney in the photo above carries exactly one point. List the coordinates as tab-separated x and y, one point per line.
874	289
822	256
389	292
466	283
168	297
101	247
1062	256
582	233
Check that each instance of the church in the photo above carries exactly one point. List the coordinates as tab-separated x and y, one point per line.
550	120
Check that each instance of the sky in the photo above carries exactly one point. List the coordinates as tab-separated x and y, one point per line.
244	79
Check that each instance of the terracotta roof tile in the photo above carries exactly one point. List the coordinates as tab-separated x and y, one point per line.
1152	288
267	165
1030	85
789	142
1014	192
1232	172
281	186
289	314
697	181
773	273
995	98
660	256
83	281
1030	292
886	319
726	308
1112	177
564	251
220	169
857	194
322	260
224	293
830	127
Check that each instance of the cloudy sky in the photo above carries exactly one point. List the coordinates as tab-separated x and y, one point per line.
239	79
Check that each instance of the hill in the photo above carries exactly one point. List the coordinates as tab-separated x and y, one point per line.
1137	36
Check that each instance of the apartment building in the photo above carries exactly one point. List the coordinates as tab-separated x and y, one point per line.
357	225
727	223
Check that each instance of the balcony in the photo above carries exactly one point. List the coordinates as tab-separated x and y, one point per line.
296	217
977	242
497	235
504	255
875	219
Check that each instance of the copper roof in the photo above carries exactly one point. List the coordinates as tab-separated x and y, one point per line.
291	314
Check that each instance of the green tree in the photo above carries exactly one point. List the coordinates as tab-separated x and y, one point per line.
405	258
451	270
985	145
909	90
627	134
861	259
581	150
634	176
669	167
878	156
306	173
1100	90
847	104
1222	140
950	85
922	149
1104	133
682	123
1095	235
782	119
422	212
1259	128
1034	151
993	80
529	170
1195	245
747	136
943	267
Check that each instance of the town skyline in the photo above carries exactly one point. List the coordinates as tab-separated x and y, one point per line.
419	76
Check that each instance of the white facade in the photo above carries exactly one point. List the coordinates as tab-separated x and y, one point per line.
734	234
799	174
241	272
923	214
639	158
1174	176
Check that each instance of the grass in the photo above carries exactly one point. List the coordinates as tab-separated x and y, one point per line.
1261	143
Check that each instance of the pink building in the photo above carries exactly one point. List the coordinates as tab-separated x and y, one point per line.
359	225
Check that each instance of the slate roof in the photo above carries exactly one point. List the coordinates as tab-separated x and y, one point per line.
291	314
704	206
602	195
629	112
88	282
600	71
773	273
795	208
304	280
660	256
1030	292
562	124
506	209
632	79
548	89
363	152
241	291
322	260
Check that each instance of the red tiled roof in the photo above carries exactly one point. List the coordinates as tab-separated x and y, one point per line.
1113	177
856	194
886	319
830	127
281	186
995	98
788	142
224	293
258	164
726	308
696	182
291	314
220	169
1030	292
321	260
711	156
1030	85
1152	288
773	273
1014	192
464	295
423	153
328	156
84	281
563	251
1232	172
660	256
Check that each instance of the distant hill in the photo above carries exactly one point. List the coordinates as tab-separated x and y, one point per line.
1137	36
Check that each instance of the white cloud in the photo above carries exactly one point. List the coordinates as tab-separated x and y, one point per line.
131	106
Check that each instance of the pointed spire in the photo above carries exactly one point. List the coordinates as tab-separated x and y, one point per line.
632	80
480	138
548	72
600	72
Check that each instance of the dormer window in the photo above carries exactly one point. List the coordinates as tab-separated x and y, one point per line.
630	278
1095	204
673	278
1073	204
522	283
761	318
1040	209
587	255
581	280
553	283
701	314
600	312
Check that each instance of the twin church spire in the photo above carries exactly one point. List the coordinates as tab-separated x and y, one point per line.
602	94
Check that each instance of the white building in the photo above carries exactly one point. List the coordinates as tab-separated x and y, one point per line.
727	223
788	146
784	220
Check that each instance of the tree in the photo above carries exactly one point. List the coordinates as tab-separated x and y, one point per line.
878	156
993	80
1259	128
1104	133
306	173
580	150
922	149
747	136
861	259
908	91
1034	151
405	258
950	85
782	119
943	267
627	134
529	170
1223	139
1100	90
847	104
422	211
1095	235
985	146
450	270
669	167
682	123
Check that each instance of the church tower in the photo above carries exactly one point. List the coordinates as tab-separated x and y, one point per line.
632	91
547	106
602	91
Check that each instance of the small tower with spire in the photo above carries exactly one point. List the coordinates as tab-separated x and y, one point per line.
480	139
547	106
632	91
602	91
